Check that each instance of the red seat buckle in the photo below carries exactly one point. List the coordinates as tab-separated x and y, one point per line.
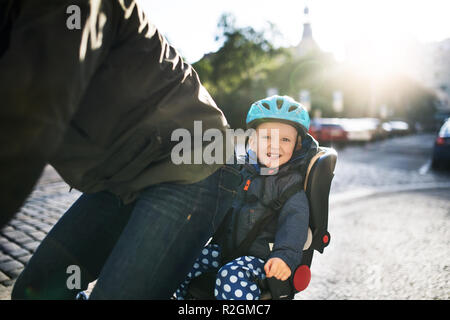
302	277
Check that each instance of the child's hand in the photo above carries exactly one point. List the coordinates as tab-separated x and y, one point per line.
275	267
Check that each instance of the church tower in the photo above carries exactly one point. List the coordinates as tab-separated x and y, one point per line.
307	44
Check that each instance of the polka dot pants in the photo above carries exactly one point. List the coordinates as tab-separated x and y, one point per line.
236	280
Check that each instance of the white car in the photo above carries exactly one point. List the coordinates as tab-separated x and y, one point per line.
359	129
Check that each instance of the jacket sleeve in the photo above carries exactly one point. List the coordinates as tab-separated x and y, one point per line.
44	68
292	231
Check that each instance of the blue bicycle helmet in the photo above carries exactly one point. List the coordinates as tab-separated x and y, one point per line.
280	108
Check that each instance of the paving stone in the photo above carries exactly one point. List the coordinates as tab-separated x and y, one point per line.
7	228
39	235
10	266
17	236
13	274
32	245
23	240
8	283
4	257
26	228
18	253
3	277
24	259
15	224
10	246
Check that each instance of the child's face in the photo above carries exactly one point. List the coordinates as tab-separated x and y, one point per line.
274	143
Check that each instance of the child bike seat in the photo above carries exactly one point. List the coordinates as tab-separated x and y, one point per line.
319	174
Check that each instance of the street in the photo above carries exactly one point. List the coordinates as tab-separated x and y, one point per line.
389	224
391	246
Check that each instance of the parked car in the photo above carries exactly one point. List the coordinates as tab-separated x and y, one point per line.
359	129
376	126
328	130
441	151
399	127
314	129
387	129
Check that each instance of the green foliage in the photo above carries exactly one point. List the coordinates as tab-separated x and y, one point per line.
247	64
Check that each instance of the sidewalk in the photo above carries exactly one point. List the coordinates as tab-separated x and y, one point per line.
22	235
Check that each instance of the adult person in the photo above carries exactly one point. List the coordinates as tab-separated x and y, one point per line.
99	103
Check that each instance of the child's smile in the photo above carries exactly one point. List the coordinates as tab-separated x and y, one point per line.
275	143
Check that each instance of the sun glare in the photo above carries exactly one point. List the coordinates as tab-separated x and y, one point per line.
383	48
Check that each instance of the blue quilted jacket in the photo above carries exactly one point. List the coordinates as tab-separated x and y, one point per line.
285	236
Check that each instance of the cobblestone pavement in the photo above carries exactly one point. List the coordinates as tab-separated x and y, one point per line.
20	238
400	252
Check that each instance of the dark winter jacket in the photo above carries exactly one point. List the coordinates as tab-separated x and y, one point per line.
98	103
288	231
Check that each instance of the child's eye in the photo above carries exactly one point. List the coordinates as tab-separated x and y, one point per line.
286	140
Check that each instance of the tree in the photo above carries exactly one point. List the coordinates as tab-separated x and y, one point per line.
231	73
240	72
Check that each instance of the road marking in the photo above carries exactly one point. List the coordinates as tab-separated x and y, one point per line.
361	193
425	168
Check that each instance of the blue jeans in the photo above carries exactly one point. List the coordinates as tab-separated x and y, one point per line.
138	251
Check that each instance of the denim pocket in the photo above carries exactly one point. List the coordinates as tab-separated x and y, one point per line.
230	179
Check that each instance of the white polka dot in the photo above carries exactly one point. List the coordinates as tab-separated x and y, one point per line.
218	282
205	252
205	261
240	274
248	259
234	267
253	287
243	284
196	265
241	263
238	293
227	288
250	266
197	273
215	264
216	292
215	254
249	296
233	279
224	296
224	273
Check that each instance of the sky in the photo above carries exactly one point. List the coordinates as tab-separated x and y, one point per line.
339	26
